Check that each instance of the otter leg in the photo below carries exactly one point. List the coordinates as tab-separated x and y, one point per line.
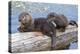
22	29
53	39
52	33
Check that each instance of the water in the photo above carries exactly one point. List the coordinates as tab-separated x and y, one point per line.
73	45
41	10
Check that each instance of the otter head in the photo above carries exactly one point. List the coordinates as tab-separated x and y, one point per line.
60	20
51	17
25	18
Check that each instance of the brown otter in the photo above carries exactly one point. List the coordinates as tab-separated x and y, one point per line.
60	20
25	20
40	25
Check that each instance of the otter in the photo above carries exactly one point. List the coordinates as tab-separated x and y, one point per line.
60	20
40	24
25	20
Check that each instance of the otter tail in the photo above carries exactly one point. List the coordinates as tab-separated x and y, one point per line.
72	22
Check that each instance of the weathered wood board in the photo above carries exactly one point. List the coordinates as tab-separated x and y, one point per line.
36	41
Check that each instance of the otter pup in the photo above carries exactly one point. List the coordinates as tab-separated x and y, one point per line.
60	21
39	24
